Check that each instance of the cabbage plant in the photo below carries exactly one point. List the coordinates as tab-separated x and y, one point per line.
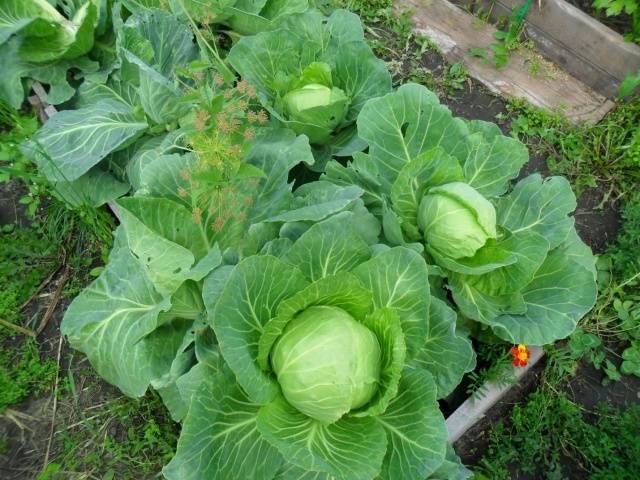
314	74
119	116
331	362
510	253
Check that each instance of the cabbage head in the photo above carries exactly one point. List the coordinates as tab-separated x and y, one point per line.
326	363
507	251
456	220
314	106
331	360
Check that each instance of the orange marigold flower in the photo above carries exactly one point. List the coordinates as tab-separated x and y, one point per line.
520	355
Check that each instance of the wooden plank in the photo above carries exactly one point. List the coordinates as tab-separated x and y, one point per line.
455	31
473	409
39	100
572	39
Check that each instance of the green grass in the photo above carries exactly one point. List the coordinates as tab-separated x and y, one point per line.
23	373
548	437
26	258
625	255
605	155
124	439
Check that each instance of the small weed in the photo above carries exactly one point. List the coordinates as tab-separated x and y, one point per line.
629	85
613	8
455	78
548	429
22	373
4	445
124	439
607	153
499	368
508	39
13	164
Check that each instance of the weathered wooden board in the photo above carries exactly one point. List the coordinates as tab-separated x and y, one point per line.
473	409
580	44
455	31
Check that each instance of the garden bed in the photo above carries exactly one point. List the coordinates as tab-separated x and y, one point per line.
62	423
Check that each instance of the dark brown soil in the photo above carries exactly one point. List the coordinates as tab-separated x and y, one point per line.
587	389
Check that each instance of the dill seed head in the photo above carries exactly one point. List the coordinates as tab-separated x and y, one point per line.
248	134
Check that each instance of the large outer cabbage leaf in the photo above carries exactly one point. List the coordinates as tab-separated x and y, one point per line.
245	17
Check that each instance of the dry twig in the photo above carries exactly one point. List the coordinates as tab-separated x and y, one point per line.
17	328
55	408
54	301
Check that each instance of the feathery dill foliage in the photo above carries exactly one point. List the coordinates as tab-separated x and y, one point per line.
217	183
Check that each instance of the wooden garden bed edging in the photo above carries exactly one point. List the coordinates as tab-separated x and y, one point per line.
455	32
473	409
577	42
